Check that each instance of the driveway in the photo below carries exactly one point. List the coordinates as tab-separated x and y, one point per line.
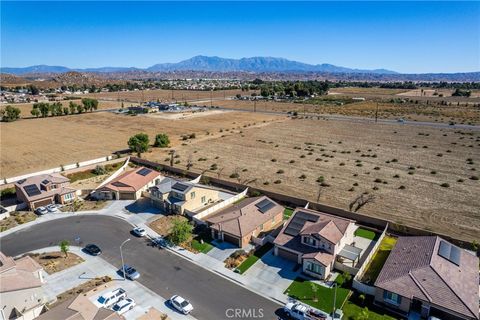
222	250
276	271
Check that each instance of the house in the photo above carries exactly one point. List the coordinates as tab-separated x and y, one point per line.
44	189
129	185
82	307
315	239
429	276
185	197
242	221
21	292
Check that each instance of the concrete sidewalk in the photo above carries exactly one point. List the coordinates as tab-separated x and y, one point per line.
95	267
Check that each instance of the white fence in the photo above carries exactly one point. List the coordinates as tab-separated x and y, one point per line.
220	205
57	169
114	175
342	267
15	207
357	284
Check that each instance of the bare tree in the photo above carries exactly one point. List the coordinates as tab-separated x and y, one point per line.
247	181
321	185
189	162
360	201
219	172
172	155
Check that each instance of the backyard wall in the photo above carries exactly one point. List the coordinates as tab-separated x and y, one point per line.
376	223
218	206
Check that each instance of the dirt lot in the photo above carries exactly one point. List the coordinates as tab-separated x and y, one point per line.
15	219
65	140
56	261
97	284
164	224
403	166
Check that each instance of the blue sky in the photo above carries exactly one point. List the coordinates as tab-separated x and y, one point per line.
406	37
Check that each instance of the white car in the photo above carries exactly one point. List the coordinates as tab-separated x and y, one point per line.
124	305
41	211
52	208
181	304
110	298
139	231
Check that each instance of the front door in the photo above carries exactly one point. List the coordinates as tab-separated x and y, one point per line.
416	305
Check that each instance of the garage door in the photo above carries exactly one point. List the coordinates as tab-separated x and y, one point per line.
287	255
231	239
42	203
127	195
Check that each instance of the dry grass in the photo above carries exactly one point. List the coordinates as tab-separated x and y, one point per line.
53	262
32	145
164	224
381	166
16	218
25	108
97	283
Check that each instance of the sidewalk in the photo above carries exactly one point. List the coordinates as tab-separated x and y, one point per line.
93	267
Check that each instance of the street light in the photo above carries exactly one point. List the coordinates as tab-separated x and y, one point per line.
121	256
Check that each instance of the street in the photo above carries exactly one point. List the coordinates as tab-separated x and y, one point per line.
163	272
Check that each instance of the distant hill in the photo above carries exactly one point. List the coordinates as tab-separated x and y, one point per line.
204	63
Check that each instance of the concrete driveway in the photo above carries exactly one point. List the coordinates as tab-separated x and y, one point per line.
274	270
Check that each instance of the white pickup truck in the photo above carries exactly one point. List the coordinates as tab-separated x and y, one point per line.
300	311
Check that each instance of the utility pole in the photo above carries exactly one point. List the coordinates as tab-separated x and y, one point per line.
211	98
255	105
121	256
376	113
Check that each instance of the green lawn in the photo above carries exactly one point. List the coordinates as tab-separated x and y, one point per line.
250	261
301	290
354	307
287	213
378	260
364	233
201	247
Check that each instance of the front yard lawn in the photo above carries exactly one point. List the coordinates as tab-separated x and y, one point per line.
201	247
378	260
287	213
354	307
367	234
301	290
250	261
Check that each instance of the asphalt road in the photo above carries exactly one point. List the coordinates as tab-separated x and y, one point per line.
161	271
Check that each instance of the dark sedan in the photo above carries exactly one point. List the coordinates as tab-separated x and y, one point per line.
92	249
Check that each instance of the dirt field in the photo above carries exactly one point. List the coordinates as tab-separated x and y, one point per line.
39	144
56	261
403	166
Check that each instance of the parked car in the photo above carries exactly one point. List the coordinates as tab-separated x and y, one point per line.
140	232
301	311
124	305
401	120
130	272
92	249
41	211
110	298
181	304
52	208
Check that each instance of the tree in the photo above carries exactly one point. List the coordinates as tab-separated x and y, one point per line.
362	299
33	90
80	108
361	201
65	110
139	143
363	315
65	247
73	107
90	104
181	231
161	140
10	114
189	163
35	112
314	290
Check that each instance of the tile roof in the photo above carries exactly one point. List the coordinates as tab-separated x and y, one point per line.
39	180
131	180
415	269
18	274
243	217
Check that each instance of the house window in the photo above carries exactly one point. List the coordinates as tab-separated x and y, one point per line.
391	297
203	199
192	195
310	241
68	196
261	227
315	268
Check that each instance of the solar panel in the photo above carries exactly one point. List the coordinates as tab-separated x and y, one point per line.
32	190
298	221
449	252
144	171
180	186
455	255
45	181
21	181
264	205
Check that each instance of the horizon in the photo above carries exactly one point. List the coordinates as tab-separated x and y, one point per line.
430	37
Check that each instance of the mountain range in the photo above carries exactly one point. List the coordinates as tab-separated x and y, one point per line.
204	63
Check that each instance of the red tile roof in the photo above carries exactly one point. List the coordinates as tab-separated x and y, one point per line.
131	180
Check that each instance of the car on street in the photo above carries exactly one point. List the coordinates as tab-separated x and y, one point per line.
110	298
130	272
52	208
139	232
41	211
92	249
124	305
401	120
181	304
